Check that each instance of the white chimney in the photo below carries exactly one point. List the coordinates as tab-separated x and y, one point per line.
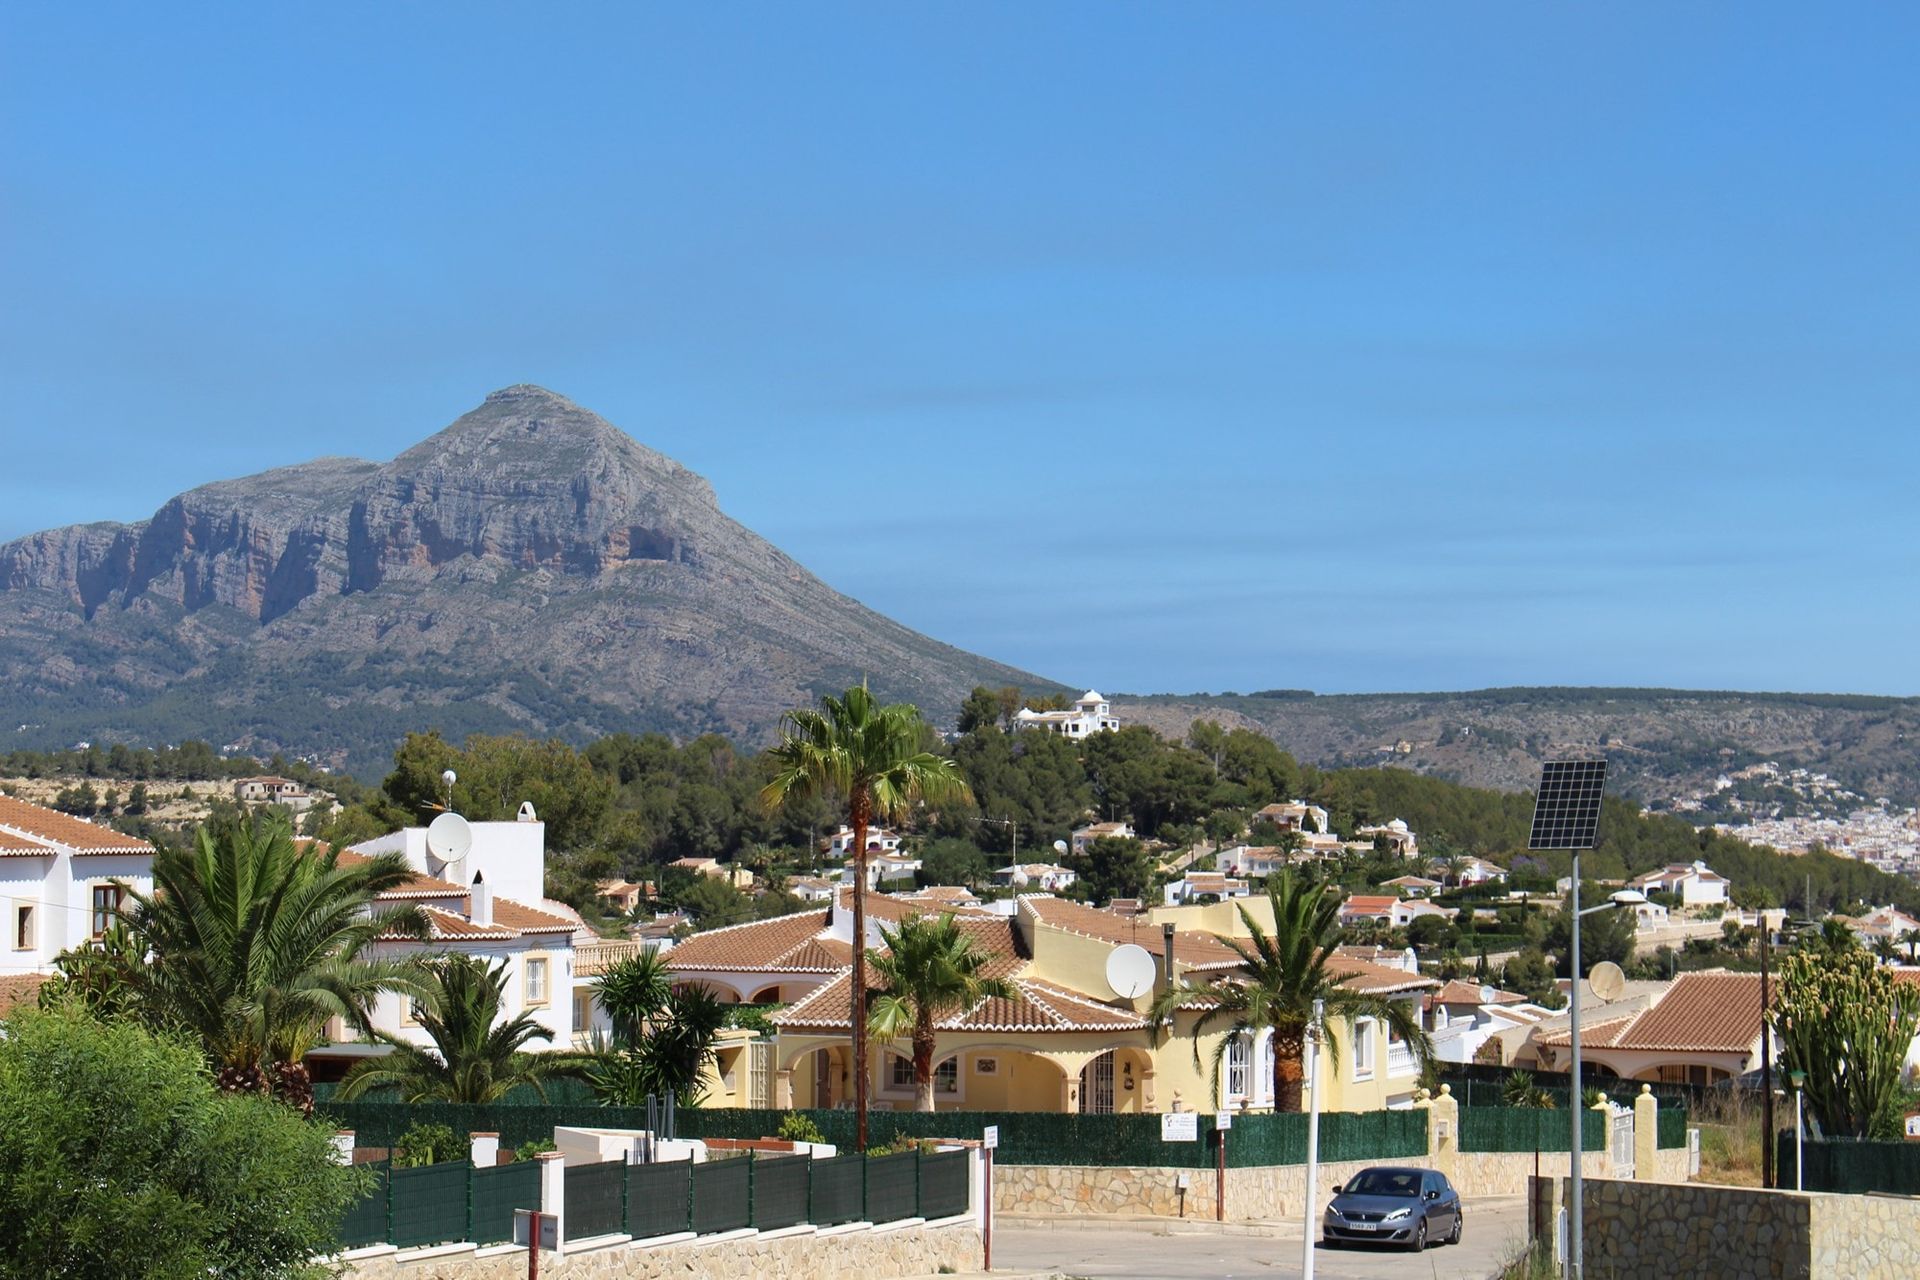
480	903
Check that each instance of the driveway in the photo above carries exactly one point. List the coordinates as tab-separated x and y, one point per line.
1144	1248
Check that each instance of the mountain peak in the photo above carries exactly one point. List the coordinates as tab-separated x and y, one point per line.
528	391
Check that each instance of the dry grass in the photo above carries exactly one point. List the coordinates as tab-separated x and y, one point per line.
1730	1139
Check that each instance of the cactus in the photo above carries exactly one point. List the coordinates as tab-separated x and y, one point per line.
1842	1019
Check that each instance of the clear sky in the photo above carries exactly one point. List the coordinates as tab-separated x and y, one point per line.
1153	347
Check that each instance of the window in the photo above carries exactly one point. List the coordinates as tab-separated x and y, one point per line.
106	908
1239	1057
536	979
583	1010
410	1011
946	1075
1363	1048
23	928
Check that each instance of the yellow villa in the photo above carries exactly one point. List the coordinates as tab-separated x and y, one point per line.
1065	1042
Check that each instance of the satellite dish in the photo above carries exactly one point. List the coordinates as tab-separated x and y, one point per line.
1606	980
449	837
1059	846
1487	994
1130	971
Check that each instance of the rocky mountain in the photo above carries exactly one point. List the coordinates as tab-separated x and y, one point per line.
529	568
1666	745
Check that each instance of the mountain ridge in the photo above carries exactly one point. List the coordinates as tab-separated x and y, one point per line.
529	566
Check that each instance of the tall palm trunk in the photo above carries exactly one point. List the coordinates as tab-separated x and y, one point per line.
1289	1071
923	1047
862	805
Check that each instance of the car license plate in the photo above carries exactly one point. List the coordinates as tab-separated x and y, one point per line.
1366	1226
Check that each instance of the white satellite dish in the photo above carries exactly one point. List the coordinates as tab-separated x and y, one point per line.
449	837
1607	980
1487	994
1130	971
1059	846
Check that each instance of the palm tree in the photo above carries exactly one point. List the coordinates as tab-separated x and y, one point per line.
1282	974
929	970
1885	949
1911	941
256	944
662	1037
477	1056
870	756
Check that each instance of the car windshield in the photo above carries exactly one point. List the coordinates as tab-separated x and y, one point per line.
1385	1182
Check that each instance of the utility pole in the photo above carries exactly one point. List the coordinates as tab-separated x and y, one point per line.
1766	1055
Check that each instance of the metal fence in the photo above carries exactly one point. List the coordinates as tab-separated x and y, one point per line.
440	1204
496	1193
1515	1129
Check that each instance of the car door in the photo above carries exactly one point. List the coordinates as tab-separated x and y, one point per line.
1448	1202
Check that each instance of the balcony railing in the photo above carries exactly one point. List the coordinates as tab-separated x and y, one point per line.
1400	1059
591	959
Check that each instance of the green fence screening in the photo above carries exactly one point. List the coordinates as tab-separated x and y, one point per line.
779	1191
366	1222
429	1204
497	1192
596	1199
1528	1129
838	1191
659	1199
1854	1167
720	1194
892	1190
1670	1128
943	1184
1479	1085
1026	1138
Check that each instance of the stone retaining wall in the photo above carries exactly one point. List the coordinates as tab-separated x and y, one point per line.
856	1251
1658	1230
1275	1192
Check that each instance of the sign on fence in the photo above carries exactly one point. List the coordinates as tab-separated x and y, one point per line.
990	1137
1223	1121
1180	1126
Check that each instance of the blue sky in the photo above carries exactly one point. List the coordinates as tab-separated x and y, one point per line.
1156	347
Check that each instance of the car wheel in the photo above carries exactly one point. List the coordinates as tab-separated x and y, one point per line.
1419	1241
1453	1236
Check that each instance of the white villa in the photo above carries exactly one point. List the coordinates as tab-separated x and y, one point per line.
1091	714
879	840
1084	836
61	882
1294	815
1041	877
492	903
1693	884
273	790
1395	835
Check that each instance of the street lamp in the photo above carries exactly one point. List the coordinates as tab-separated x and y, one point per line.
1315	1030
1799	1079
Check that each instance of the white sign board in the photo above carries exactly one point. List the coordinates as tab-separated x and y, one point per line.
990	1137
549	1229
1913	1125
1180	1126
1224	1120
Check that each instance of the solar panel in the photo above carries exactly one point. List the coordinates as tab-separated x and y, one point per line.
1566	811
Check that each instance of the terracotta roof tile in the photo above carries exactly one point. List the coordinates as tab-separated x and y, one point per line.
1706	1012
1460	991
525	919
1036	1007
791	944
1191	948
415	886
35	823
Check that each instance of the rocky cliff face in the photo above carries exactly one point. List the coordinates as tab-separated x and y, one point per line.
529	567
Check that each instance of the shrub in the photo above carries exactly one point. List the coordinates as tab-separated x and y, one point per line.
424	1143
528	1150
795	1127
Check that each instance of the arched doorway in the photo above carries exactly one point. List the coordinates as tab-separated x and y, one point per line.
1096	1086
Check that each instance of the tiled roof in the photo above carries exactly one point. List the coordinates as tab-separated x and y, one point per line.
1035	1007
1367	902
1460	991
892	908
1191	948
1603	1034
1706	1012
1376	979
789	944
19	989
24	823
510	920
446	926
415	886
525	919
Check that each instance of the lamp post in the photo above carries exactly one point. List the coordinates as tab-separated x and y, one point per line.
1576	1100
1799	1079
1313	1137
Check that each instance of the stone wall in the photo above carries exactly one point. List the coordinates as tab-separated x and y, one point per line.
856	1251
1657	1230
1275	1192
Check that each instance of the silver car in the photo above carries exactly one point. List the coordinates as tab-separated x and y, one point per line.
1408	1207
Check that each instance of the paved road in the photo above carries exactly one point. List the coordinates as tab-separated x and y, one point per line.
1142	1250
